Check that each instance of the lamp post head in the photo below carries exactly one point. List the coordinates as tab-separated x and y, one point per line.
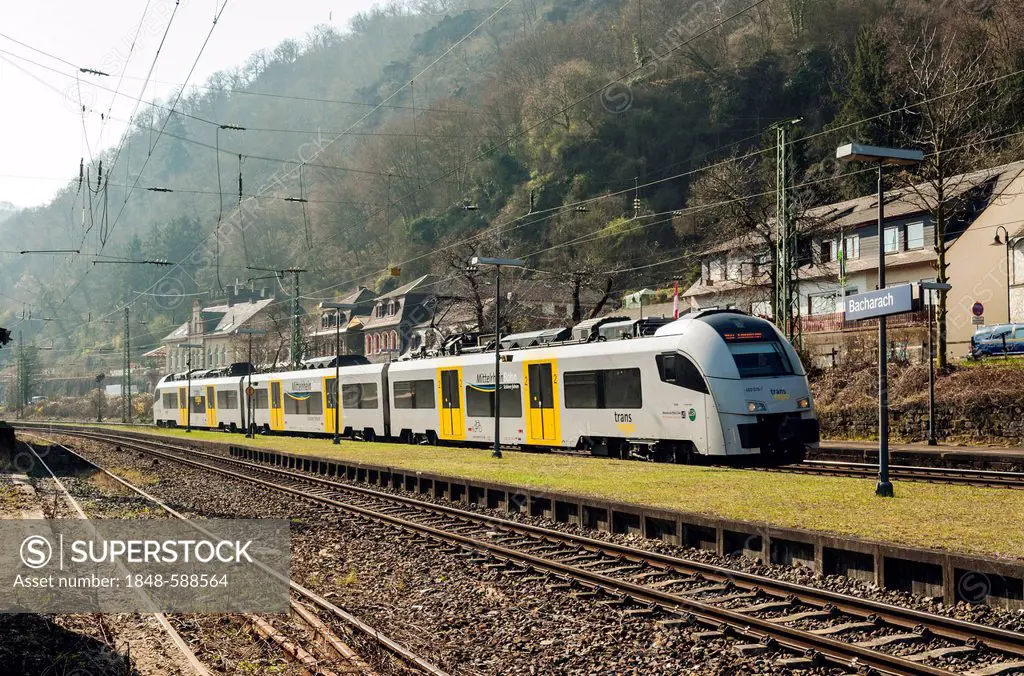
499	262
858	152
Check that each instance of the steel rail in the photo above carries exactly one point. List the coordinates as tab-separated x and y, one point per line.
765	631
948	475
393	646
942	626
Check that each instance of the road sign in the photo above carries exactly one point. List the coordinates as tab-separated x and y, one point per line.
978	309
249	391
978	321
892	300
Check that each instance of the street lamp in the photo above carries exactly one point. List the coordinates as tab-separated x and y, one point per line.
99	397
188	393
337	307
250	410
855	152
929	287
1008	242
498	263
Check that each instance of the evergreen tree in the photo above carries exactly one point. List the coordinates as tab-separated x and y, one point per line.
868	93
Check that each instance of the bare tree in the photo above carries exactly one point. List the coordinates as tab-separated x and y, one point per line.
269	348
950	120
734	203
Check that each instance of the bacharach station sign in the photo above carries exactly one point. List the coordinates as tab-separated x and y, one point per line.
892	300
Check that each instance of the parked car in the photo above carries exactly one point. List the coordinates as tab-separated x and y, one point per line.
997	340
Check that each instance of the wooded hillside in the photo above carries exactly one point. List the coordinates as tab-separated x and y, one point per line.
606	141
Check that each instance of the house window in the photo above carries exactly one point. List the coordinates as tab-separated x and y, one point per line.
821	304
851	247
762	263
394	340
915	236
716	268
828	253
376	343
369	344
892	239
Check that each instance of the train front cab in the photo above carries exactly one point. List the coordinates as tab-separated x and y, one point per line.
759	406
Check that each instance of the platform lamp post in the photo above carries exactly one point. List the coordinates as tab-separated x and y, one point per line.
250	410
99	397
930	287
498	264
337	307
1008	242
188	393
855	152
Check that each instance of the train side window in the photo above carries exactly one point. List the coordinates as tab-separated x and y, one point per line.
581	389
622	388
170	400
227	399
261	400
679	370
607	388
303	403
360	395
198	404
414	394
480	403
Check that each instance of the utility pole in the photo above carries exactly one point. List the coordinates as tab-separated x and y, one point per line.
21	376
126	373
296	343
787	291
296	321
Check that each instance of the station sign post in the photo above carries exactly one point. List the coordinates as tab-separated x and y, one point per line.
888	300
978	309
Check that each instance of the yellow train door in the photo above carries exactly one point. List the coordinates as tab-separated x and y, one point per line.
276	406
450	388
211	406
542	418
183	406
330	402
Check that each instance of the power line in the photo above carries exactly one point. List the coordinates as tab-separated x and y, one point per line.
367	115
124	69
733	160
177	100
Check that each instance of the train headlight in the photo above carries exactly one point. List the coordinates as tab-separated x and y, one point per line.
805	402
756	407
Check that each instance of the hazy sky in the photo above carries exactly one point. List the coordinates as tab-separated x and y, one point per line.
41	128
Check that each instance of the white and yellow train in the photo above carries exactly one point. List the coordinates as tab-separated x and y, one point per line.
716	384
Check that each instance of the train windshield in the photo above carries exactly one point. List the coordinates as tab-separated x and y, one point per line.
753	344
760	360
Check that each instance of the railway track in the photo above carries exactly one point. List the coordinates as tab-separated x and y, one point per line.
856	470
305	638
813	626
946	475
